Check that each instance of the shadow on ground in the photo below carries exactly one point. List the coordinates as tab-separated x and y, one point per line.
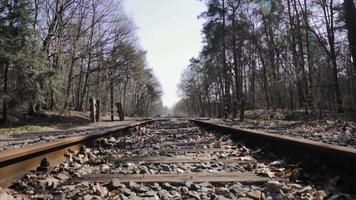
39	121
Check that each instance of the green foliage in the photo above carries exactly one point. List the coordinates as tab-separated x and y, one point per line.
19	49
59	53
277	55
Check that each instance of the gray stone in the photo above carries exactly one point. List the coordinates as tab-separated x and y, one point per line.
105	168
188	184
30	192
91	197
184	190
180	170
166	168
231	196
133	185
204	196
305	190
206	190
238	189
174	168
195	187
175	194
164	194
78	159
206	165
156	187
273	186
127	192
194	195
222	191
129	165
138	188
219	197
296	186
112	140
99	190
214	165
77	175
148	194
49	183
6	196
276	164
68	187
59	196
115	184
255	195
206	184
123	197
168	187
62	177
144	170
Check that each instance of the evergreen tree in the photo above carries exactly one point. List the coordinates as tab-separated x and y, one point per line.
20	62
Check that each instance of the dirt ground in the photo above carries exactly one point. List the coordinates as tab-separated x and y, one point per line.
52	122
333	129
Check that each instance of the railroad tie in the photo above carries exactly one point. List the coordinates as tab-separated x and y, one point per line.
225	177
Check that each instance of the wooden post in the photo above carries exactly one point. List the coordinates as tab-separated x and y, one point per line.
120	112
122	118
98	110
92	109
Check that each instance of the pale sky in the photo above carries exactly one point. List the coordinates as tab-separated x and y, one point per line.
171	34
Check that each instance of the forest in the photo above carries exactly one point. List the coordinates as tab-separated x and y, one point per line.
56	54
290	55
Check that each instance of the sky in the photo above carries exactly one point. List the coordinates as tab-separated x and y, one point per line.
170	32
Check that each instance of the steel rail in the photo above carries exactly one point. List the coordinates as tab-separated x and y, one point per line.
17	162
340	160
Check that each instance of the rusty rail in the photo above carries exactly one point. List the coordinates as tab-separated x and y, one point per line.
17	162
340	160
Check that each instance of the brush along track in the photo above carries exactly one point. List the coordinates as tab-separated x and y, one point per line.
175	160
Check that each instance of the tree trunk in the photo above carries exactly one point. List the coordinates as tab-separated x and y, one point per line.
73	59
242	93
236	67
350	17
252	80
69	84
4	108
222	97
271	60
79	89
296	63
301	61
227	86
89	58
310	95
112	96
264	71
331	40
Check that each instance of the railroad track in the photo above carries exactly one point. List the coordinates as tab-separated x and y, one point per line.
339	159
15	163
25	139
178	160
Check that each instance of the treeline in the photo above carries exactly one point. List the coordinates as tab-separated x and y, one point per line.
56	54
291	55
